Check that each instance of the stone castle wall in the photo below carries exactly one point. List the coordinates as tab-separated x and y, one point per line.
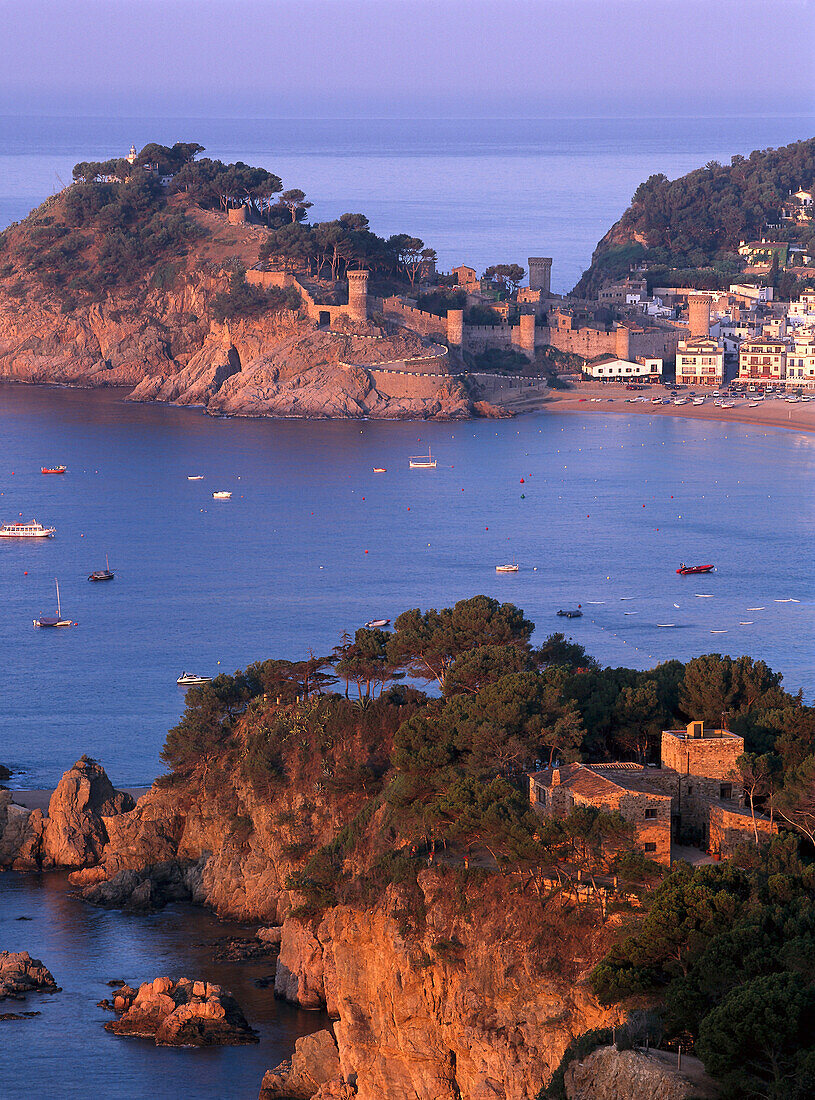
397	385
730	827
710	757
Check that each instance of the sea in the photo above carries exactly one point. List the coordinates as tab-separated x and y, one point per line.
597	510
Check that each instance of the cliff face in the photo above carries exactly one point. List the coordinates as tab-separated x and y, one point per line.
157	333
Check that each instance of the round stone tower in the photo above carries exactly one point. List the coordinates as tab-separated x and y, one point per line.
455	328
540	271
698	315
527	334
622	342
358	295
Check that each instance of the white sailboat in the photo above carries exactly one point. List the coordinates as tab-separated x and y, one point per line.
54	620
423	462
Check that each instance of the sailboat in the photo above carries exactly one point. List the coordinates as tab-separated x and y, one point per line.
102	574
423	462
54	620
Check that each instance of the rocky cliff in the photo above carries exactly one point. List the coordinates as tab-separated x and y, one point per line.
155	331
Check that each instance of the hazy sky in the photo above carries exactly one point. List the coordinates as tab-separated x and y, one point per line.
375	58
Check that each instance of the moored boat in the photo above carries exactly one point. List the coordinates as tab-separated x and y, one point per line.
423	462
689	570
105	574
380	470
187	679
54	620
576	613
222	496
31	530
54	469
508	568
376	624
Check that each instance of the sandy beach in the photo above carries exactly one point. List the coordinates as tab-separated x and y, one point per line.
771	413
39	800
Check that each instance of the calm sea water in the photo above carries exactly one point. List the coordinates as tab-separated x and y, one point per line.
65	1052
479	191
313	543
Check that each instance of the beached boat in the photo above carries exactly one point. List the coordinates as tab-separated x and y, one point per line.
689	570
54	620
54	469
509	568
376	624
102	574
31	530
423	462
187	679
222	496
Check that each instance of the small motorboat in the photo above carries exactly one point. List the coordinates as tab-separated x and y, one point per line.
380	470
376	624
102	574
423	462
54	469
509	568
222	496
690	570
54	620
576	613
195	477
187	679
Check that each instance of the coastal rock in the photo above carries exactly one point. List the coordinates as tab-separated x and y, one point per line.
609	1074
299	978
315	1063
75	832
181	1013
270	935
21	834
20	974
5	773
152	888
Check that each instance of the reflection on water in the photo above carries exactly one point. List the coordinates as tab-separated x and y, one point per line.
59	1052
313	543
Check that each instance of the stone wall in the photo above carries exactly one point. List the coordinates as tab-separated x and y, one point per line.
729	827
709	756
427	324
392	384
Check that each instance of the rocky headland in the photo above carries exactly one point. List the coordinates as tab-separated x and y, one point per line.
20	974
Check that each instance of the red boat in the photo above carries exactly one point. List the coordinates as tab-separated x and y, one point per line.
687	570
54	470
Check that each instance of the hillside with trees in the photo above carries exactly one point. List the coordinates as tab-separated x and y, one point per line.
687	231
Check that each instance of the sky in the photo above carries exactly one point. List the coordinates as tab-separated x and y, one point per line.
407	58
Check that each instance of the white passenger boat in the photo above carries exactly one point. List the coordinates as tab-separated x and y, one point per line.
31	530
423	462
187	679
195	477
222	496
508	568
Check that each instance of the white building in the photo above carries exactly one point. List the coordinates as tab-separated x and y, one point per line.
609	369
763	360
801	360
699	362
802	312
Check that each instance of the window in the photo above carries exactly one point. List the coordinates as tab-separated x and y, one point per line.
726	791
651	813
650	847
541	795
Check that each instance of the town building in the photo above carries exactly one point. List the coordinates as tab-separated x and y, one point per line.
609	368
699	362
802	312
763	360
801	359
626	292
798	206
695	796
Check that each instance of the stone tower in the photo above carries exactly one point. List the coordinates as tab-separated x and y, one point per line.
526	324
540	271
698	315
455	328
622	342
358	295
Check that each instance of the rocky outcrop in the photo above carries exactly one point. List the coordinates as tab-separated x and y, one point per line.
609	1074
314	1064
181	1013
20	974
74	833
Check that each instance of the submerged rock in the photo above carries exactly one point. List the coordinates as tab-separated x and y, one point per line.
181	1013
313	1069
20	974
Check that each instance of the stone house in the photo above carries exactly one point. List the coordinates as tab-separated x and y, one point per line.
694	796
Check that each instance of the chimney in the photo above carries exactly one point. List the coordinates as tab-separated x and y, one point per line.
555	777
